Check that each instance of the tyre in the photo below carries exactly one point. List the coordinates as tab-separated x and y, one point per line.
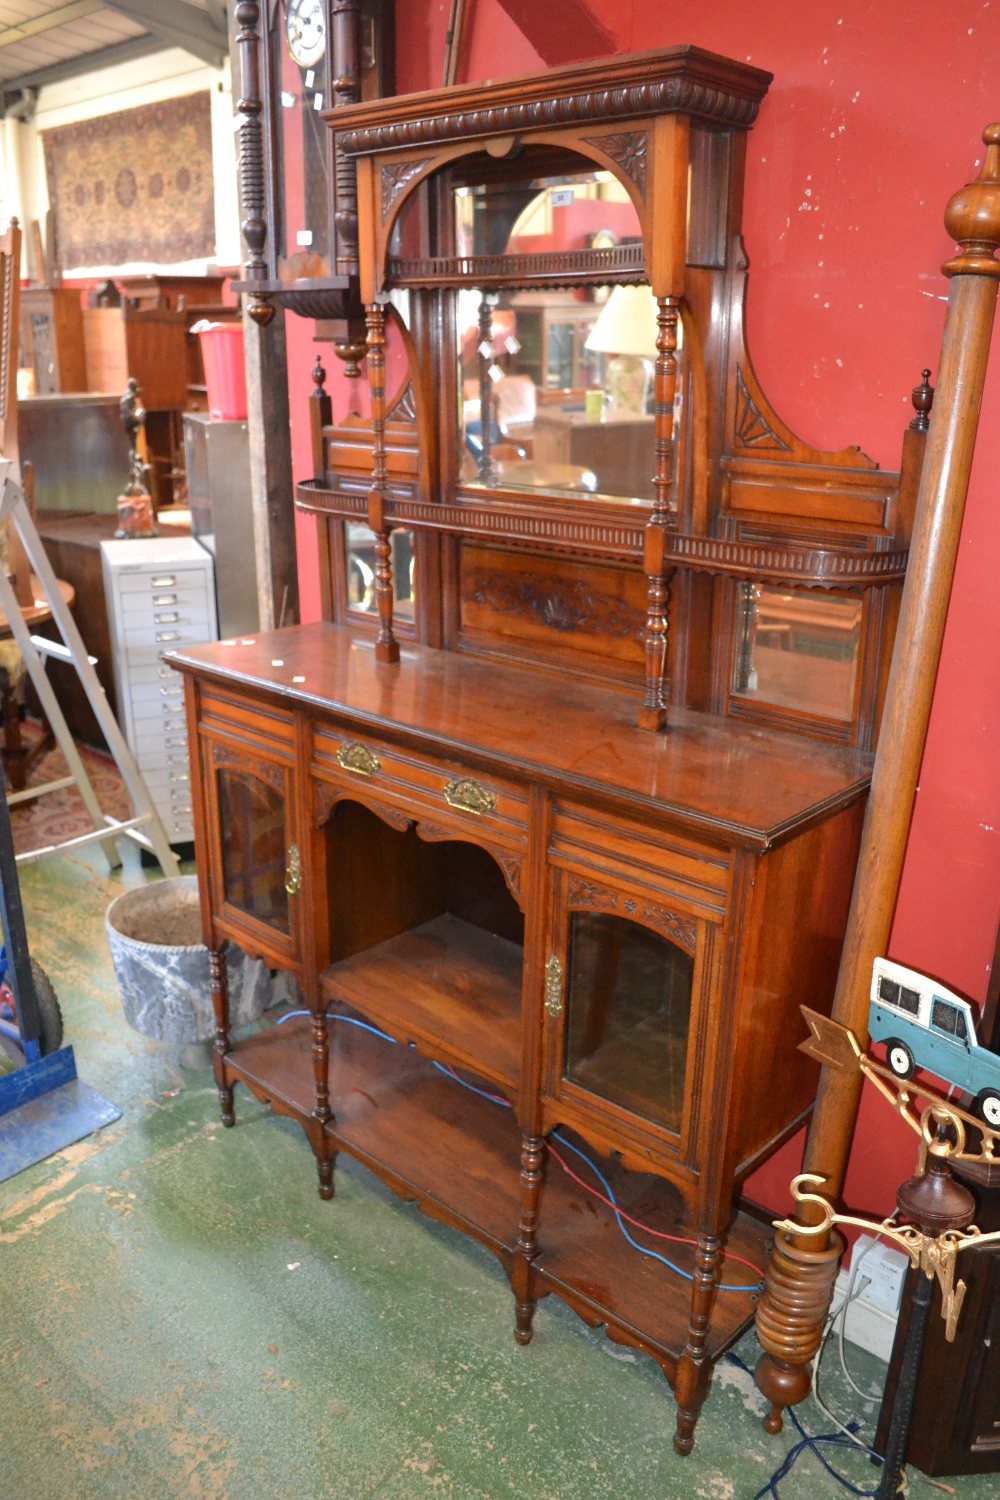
899	1057
988	1108
49	1014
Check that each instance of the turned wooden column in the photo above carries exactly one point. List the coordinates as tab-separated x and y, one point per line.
386	646
653	713
791	1313
346	89
250	105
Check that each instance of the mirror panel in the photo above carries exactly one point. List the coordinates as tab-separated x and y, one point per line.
797	648
360	566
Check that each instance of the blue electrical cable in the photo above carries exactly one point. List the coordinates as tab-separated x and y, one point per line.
351	1021
809	1440
505	1104
653	1254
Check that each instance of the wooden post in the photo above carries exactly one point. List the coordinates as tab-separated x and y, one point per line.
794	1306
320	416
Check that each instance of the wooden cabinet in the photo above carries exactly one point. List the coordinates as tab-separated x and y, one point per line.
569	853
51	339
593	935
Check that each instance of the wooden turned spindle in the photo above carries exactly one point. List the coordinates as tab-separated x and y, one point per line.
386	646
218	980
694	1366
532	1178
973	219
484	356
653	713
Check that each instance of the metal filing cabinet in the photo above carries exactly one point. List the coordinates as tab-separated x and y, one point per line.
160	595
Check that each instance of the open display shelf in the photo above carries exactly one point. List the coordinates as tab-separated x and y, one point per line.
447	985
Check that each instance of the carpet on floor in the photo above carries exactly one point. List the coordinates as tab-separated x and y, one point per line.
58	816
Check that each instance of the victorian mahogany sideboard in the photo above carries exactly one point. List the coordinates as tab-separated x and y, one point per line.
555	815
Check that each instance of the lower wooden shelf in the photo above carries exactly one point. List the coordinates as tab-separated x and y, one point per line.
457	1154
586	1260
448	985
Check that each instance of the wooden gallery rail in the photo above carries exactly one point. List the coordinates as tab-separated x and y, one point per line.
802	1271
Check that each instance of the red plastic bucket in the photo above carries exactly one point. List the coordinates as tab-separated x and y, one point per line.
225	371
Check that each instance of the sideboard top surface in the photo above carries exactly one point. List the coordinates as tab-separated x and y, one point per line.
725	778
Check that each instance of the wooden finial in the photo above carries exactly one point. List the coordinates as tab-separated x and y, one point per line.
972	217
922	397
318	376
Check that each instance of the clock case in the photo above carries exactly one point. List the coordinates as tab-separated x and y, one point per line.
318	280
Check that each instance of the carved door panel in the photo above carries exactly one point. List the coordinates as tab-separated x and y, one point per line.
623	998
255	867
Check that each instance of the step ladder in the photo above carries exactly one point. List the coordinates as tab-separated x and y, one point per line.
144	827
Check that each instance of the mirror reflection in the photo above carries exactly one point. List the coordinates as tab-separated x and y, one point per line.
797	648
555	385
360	565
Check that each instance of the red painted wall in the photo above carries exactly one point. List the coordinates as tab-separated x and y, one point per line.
873	120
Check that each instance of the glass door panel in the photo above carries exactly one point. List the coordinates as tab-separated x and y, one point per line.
255	846
628	1014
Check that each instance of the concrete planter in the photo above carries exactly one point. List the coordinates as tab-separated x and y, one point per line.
162	967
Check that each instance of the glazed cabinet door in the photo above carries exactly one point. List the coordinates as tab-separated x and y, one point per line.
255	859
625	999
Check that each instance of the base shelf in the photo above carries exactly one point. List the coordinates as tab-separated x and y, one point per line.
457	1155
447	985
586	1260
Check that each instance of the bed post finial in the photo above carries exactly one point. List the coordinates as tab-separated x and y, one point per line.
972	217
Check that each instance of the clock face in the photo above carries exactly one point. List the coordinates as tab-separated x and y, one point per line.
305	30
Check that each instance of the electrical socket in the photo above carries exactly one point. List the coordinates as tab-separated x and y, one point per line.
884	1268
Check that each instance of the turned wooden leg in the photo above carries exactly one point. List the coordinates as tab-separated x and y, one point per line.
321	1066
694	1367
325	1166
219	983
532	1178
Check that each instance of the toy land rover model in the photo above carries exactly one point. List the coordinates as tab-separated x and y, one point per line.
923	1025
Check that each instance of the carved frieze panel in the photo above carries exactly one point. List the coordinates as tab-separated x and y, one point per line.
753	430
395	176
566	605
629	150
510	864
326	797
591	895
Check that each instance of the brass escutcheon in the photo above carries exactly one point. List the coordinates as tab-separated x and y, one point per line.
468	796
554	986
293	871
358	759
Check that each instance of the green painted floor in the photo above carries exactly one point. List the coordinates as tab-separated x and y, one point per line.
183	1317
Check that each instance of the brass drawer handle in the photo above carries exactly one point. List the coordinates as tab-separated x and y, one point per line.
358	759
468	796
554	986
293	871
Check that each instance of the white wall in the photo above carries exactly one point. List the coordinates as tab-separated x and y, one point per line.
149	80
